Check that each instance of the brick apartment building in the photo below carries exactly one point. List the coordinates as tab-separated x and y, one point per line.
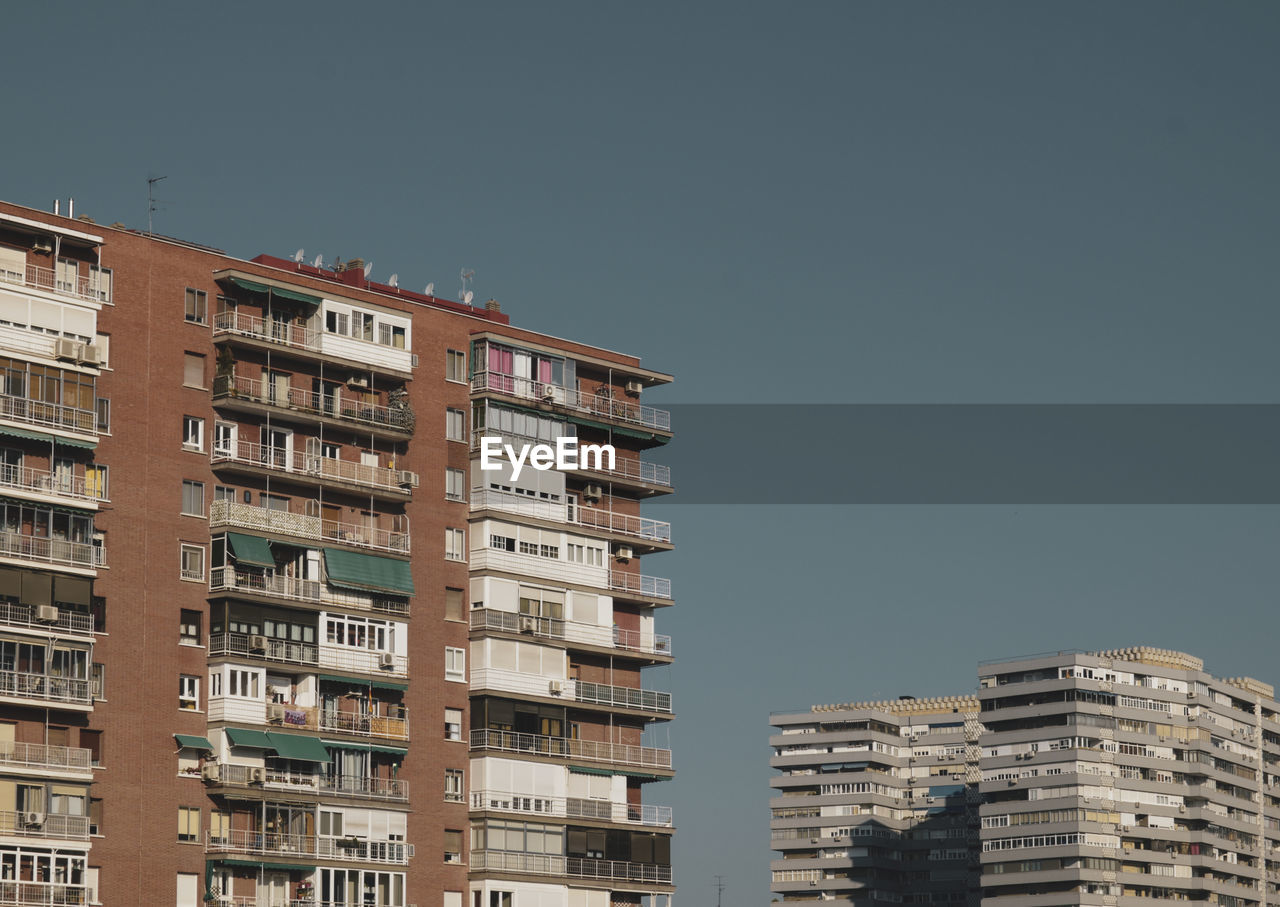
253	585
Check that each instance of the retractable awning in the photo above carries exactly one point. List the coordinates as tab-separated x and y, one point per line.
250	549
367	572
243	737
193	742
364	682
295	746
254	287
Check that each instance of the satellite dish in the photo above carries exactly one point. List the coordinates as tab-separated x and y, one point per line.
467	297
394	281
368	269
319	262
297	256
430	290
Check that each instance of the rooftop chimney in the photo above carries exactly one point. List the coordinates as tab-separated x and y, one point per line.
492	306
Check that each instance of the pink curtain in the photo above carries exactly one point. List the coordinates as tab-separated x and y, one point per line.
501	365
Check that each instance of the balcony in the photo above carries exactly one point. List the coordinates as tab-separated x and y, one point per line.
571	631
306	654
588	750
573	400
45	688
309	847
42	482
621	697
271	779
41	894
262	519
52	551
19	615
48	415
314	469
633	585
615	697
392	726
66	828
314	592
366	353
573	867
45	758
38	278
588	518
290	334
572	808
396	419
559	571
641	473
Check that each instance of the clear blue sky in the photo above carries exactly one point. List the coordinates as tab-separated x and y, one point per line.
822	202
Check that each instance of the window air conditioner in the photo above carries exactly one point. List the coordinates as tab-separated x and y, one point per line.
634	388
257	644
67	349
555	687
257	775
275	712
408	477
91	354
592	493
47	614
211	771
358	381
528	624
32	818
386	661
42	246
624	553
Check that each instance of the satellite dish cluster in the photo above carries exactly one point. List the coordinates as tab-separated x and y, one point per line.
465	294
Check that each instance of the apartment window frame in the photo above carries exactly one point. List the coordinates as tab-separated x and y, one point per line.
193	370
191	563
455	785
455	544
196	306
455	425
189	824
193	499
190	626
189	692
193	433
453	845
455	366
455	484
453	724
454	604
455	664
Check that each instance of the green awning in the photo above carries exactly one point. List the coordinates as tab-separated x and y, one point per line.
348	745
590	771
193	742
294	746
616	771
367	572
257	739
73	442
254	287
260	864
641	434
23	433
250	549
361	682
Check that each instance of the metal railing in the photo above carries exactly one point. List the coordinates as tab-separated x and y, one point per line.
590	750
621	697
369	788
229	579
256	390
20	615
275	844
47	279
41	894
264	519
572	808
393	725
251	453
309	654
41	481
266	900
587	517
45	756
574	867
55	551
45	686
288	333
483	678
594	404
571	631
636	584
71	828
50	415
337	785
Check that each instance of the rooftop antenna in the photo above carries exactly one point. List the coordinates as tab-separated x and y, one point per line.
467	297
368	269
431	289
394	281
466	281
297	256
719	889
151	199
319	262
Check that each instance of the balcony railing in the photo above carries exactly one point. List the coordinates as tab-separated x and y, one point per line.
574	867
54	551
628	470
287	333
70	828
46	279
571	631
277	459
593	404
335	785
399	418
41	481
394	725
577	690
229	579
590	750
45	756
49	415
45	686
41	894
308	654
19	615
572	808
621	697
587	517
283	845
264	519
266	901
634	583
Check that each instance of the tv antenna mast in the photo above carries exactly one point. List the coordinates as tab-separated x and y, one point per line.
151	199
467	276
719	889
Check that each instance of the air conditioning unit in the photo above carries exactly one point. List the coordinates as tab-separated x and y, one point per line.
67	349
592	493
275	712
211	771
358	381
555	687
32	818
47	614
257	644
634	388
42	246
408	477
257	775
386	661
413	360
528	624
624	553
91	354
548	392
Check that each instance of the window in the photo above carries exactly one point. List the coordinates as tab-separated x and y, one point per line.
67	275
100	284
98	681
192	563
455	425
95	481
337	323
192	433
453	604
452	899
189	693
95	815
585	554
455	368
455	545
189	628
192	370
223	493
453	724
103	408
103	343
197	306
455	664
452	846
453	785
391	335
188	823
275	502
453	484
193	498
92	741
